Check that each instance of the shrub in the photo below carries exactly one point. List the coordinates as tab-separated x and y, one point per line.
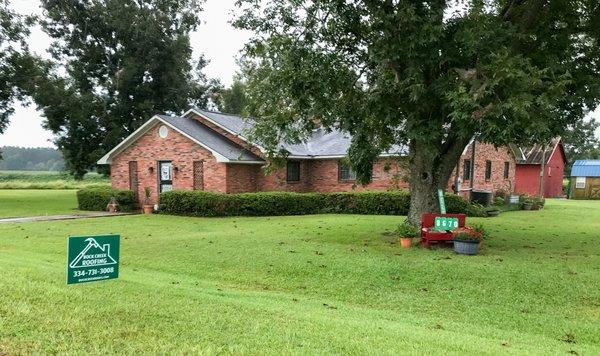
476	210
201	203
407	231
499	201
96	199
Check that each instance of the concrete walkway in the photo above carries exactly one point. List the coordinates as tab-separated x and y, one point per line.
99	214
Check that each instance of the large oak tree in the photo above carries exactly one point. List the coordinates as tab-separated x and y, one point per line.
14	58
430	74
115	64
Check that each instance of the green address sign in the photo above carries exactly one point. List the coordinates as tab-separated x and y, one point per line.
441	223
92	258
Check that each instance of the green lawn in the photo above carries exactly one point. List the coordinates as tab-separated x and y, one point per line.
324	284
20	203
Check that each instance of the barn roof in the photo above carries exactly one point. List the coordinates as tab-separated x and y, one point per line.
586	168
321	144
536	153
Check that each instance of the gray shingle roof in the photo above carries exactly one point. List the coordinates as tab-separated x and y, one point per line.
322	143
211	139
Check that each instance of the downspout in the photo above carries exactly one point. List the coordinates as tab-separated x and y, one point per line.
543	172
472	164
456	190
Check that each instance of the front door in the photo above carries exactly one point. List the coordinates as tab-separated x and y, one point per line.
165	176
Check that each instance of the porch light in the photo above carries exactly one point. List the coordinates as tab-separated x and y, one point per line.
150	169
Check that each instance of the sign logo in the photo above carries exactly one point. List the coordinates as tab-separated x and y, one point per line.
92	258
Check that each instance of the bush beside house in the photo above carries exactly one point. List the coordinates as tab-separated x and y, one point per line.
96	199
201	203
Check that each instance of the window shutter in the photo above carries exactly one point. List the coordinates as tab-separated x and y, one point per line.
198	175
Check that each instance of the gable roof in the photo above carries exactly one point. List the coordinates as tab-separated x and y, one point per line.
322	144
223	149
586	168
535	153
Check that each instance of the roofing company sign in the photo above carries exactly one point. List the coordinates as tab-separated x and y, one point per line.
92	258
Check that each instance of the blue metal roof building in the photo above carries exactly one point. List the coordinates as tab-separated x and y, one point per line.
586	168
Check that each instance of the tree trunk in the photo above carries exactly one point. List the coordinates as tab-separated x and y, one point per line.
430	170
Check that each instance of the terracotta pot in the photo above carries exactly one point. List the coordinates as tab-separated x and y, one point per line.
405	242
148	209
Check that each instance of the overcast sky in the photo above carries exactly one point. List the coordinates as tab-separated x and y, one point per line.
215	38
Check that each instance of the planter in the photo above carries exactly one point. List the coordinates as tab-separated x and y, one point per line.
492	213
148	208
527	206
405	242
112	206
466	247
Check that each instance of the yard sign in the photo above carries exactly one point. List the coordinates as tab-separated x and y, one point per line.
92	258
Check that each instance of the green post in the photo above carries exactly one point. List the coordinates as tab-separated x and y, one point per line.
442	201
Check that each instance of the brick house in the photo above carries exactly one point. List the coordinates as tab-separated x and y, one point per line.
486	168
529	168
206	150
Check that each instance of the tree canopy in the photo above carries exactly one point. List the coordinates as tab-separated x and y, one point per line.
14	29
115	64
31	159
427	74
232	100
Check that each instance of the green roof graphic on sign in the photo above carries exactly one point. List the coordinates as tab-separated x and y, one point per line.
93	255
92	258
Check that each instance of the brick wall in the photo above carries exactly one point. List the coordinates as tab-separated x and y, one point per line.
277	179
242	178
388	173
483	153
151	148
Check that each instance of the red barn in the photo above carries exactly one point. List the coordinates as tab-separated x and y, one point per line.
529	167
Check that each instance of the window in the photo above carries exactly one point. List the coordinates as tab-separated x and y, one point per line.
467	169
506	169
580	183
488	170
293	171
345	172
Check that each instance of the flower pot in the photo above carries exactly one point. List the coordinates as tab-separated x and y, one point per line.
405	242
466	247
527	206
148	208
492	213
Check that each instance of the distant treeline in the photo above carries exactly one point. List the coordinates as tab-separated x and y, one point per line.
31	159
